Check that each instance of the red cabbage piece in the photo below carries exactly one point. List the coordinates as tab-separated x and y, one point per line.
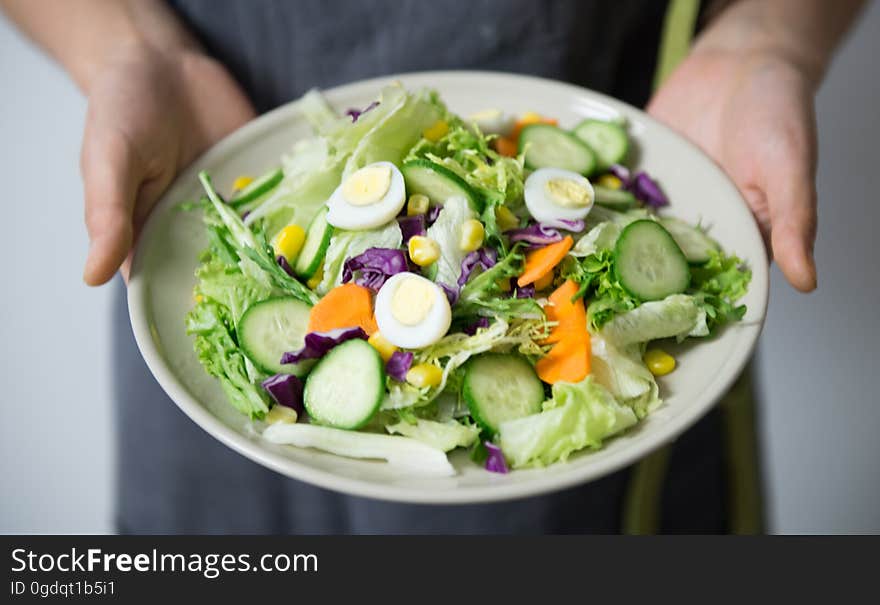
433	213
411	226
646	189
450	292
575	226
478	259
535	234
398	365
495	462
525	291
286	390
373	268
282	262
317	344
641	185
482	322
355	113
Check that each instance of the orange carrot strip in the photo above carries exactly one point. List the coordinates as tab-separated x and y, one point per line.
507	147
345	306
540	262
567	361
570	317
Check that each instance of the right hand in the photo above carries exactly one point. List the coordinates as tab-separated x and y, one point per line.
150	113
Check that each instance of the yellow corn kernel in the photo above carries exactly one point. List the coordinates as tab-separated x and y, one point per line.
281	414
503	285
289	242
437	131
530	117
424	375
659	362
417	204
423	250
472	234
242	182
315	279
505	219
544	282
609	181
385	348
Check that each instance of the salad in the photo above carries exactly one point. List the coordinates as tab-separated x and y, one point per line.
409	282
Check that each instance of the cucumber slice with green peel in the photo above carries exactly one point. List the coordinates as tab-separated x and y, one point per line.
547	146
270	328
608	140
347	386
693	241
315	247
437	182
648	263
257	188
616	199
499	387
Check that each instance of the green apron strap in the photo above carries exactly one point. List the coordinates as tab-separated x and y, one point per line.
641	509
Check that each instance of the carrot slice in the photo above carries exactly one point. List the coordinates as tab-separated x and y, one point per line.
507	147
345	306
571	317
540	262
567	361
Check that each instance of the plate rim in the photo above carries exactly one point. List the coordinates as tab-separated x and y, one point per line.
138	307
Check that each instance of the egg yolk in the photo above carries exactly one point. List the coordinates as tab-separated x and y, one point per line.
567	193
412	301
367	186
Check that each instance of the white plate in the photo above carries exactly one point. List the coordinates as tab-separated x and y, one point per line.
166	256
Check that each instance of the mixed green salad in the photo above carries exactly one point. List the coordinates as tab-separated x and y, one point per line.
409	282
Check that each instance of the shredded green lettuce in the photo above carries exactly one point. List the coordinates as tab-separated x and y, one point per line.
444	436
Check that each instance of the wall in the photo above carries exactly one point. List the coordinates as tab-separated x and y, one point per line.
821	411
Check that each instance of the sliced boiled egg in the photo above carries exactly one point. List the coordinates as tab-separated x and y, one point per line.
492	121
553	194
368	198
412	312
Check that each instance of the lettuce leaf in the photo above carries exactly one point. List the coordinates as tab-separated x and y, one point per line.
446	231
675	316
221	357
444	436
482	295
348	244
718	284
625	375
578	415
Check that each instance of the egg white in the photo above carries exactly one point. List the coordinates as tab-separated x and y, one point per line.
542	207
493	121
345	215
428	331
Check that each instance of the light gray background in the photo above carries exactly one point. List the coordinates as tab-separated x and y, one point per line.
819	364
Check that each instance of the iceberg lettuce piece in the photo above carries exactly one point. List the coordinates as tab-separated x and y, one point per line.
675	316
348	244
578	415
444	436
601	237
625	375
446	231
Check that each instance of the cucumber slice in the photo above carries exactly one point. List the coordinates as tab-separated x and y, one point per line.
315	247
499	387
648	262
437	182
272	327
547	146
257	188
607	139
616	199
693	241
347	386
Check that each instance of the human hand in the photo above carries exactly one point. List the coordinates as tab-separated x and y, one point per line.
753	114
150	113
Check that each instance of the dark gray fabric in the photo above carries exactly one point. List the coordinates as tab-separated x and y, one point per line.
173	477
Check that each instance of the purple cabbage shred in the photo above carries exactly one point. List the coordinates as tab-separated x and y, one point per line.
411	226
286	390
495	462
282	262
355	113
317	344
483	259
482	322
398	365
373	268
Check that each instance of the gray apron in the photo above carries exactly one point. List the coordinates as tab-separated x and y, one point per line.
174	478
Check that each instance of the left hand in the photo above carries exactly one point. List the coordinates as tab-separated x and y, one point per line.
753	114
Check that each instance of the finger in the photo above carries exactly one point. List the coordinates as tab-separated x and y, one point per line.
110	181
791	197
